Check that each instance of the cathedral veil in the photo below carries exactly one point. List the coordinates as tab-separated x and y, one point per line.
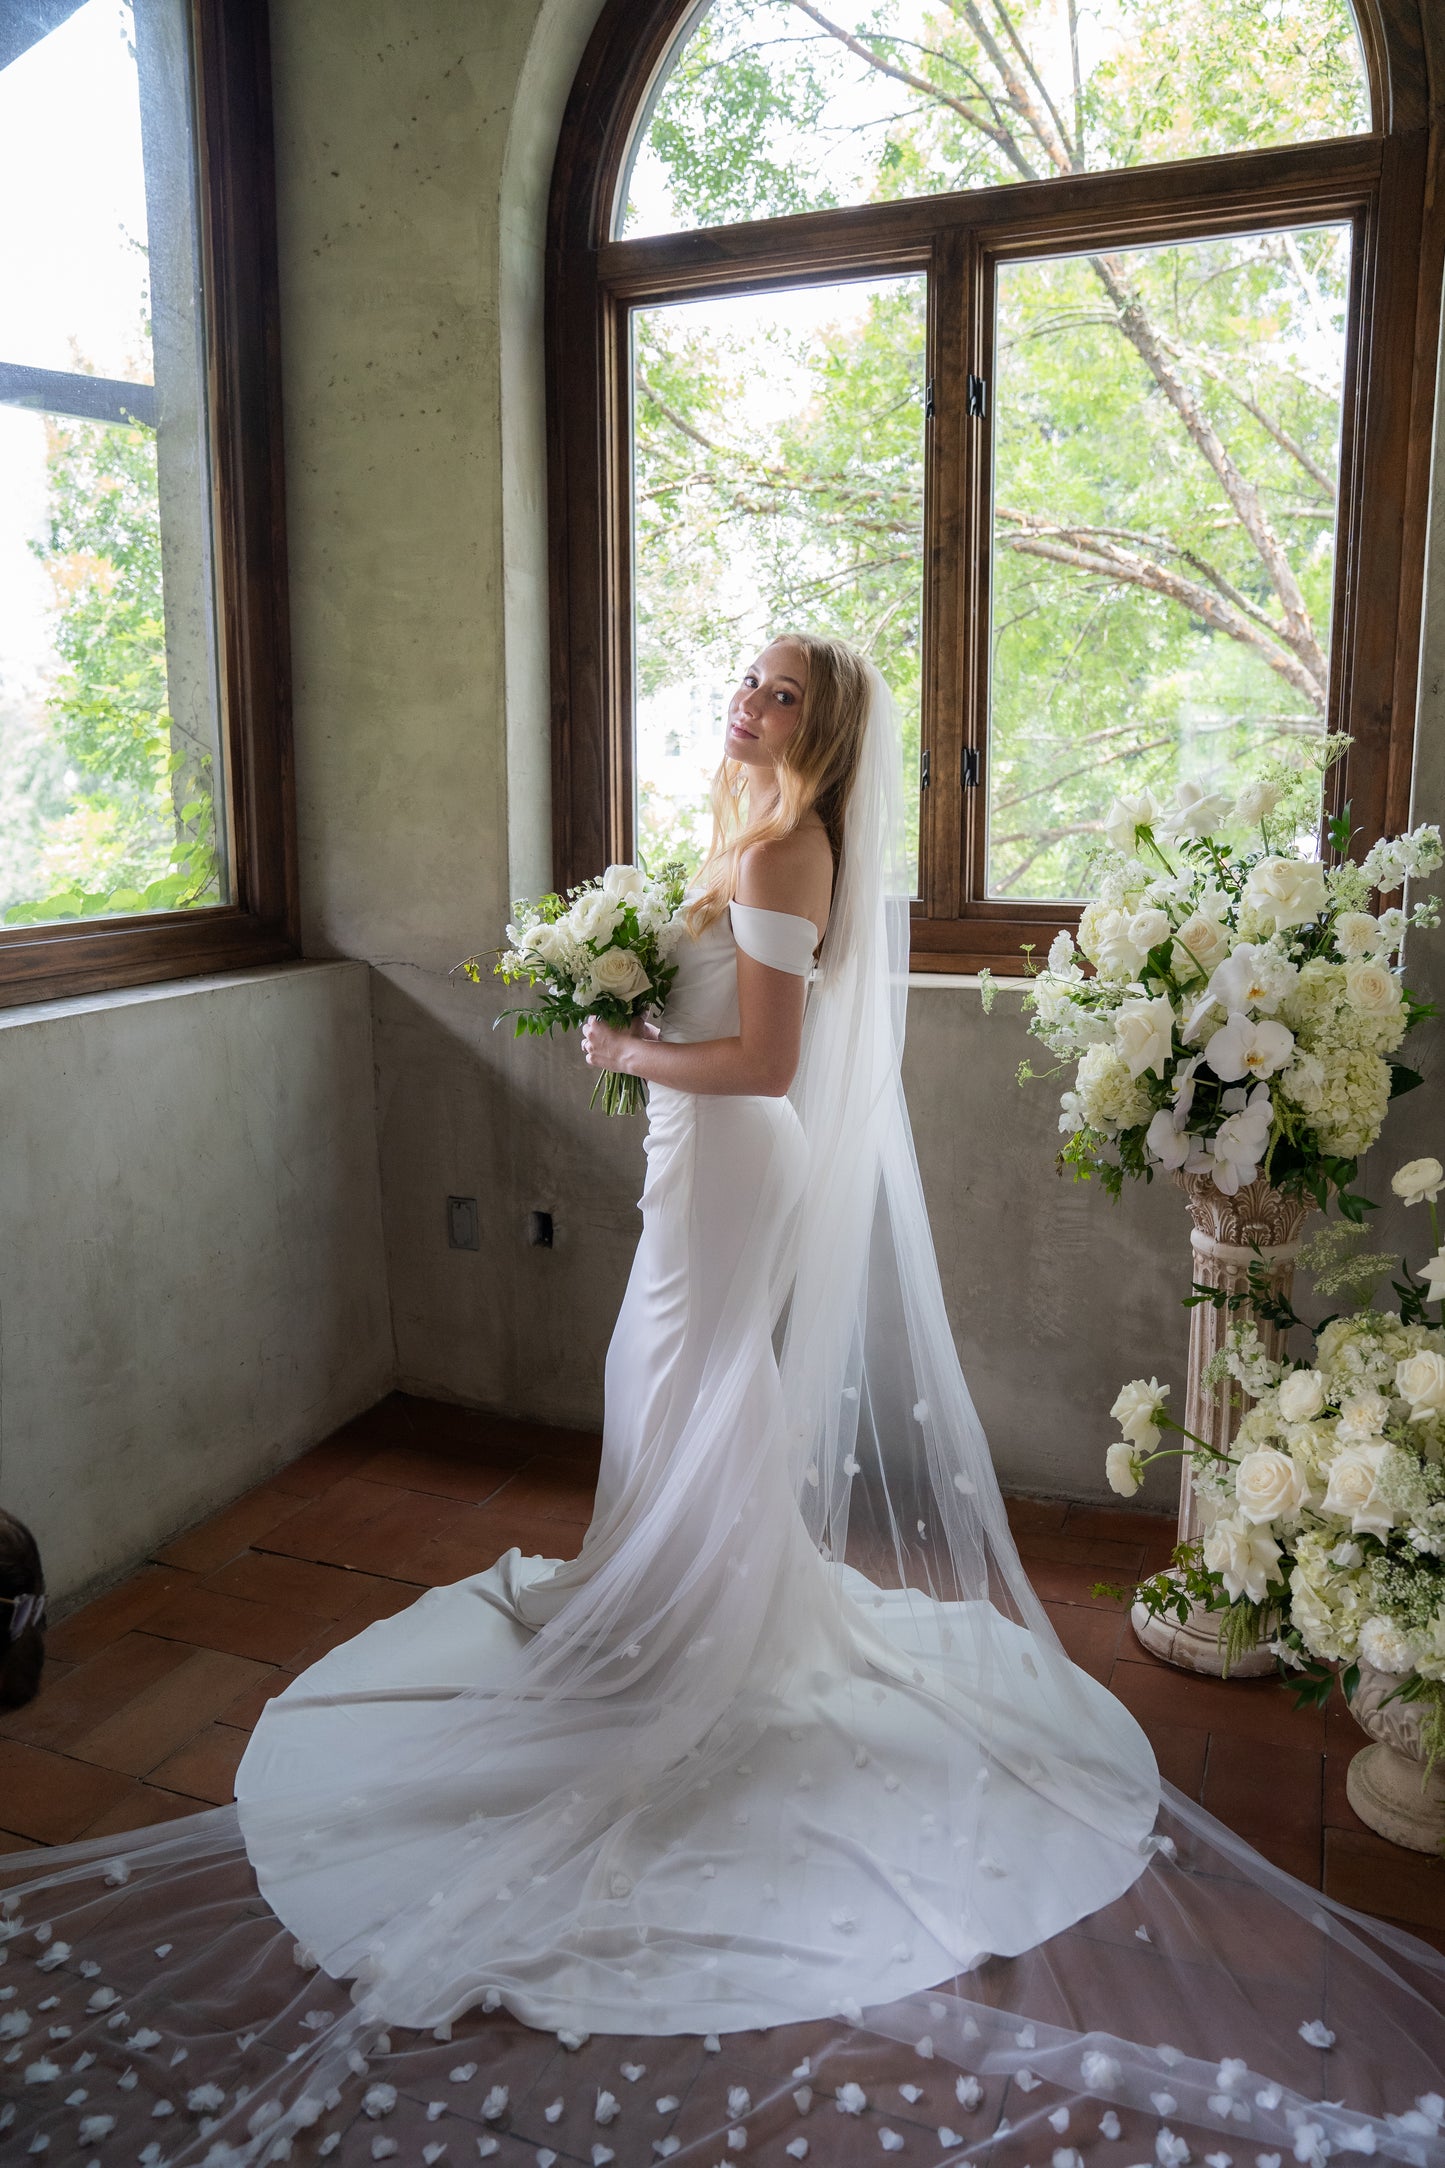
785	1824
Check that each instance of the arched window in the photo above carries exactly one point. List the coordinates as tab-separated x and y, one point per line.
1075	359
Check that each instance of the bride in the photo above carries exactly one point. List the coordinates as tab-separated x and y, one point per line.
790	1749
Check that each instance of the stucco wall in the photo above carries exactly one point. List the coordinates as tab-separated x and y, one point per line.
192	1284
414	148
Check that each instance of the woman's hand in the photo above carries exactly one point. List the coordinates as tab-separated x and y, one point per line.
606	1046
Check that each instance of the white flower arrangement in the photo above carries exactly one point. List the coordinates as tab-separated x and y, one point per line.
1328	1512
1231	1012
606	949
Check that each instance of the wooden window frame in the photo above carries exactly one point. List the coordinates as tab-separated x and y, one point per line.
231	87
1378	181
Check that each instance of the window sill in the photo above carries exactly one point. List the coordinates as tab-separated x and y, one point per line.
128	997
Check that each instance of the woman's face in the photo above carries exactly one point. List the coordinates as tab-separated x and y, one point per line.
764	710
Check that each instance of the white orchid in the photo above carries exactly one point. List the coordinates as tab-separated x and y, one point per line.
1241	1047
1254	977
1241	1140
1165	1139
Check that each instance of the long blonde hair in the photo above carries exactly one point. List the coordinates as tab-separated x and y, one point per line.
816	766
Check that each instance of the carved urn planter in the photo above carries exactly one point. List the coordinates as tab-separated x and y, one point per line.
1386	1783
1257	1226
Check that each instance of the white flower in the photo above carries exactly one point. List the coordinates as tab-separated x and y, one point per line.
1242	1555
1256	802
1268	1485
1061	953
1363	1417
852	2099
1383	1645
1393	927
1244	1048
1370	988
1201	941
1138	1409
1420	1379
1165	1138
1433	1274
1239	1143
1301	1396
617	973
1144	1031
1123	1468
1126	816
1195	811
1109	1099
1304	1081
1353	1490
624	884
1285	892
1122	940
1317	2033
555	946
1357	933
1254	977
594	916
1419	1181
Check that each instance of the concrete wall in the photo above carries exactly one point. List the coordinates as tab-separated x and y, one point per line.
192	1285
414	148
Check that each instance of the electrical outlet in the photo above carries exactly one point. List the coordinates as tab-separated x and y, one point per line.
463	1231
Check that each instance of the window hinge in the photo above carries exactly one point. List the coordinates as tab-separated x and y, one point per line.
977	398
970	767
923	772
928	400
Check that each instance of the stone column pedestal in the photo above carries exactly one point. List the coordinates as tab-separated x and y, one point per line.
1229	1234
1386	1783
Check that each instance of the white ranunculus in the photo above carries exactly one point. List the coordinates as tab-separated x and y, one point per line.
1126	816
1166	1140
1201	941
1144	1033
1254	977
1256	802
1353	1490
1268	1486
1121	1466
1363	1417
1357	933
1243	1556
1137	1409
1286	892
1383	1645
618	974
1419	1181
1195	811
1420	1379
1241	1047
595	916
1370	988
624	884
1301	1396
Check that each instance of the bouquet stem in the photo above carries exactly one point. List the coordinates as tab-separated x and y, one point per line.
619	1094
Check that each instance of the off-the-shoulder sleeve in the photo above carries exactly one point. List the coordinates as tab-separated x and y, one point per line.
778	938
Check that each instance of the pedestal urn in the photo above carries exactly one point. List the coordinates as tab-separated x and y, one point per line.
1386	1783
1257	1226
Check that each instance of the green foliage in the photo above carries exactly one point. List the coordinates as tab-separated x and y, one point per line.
1185	1584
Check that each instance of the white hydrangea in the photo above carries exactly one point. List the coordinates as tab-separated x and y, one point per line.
1109	1098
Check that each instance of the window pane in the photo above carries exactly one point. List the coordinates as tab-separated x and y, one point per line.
778	484
110	771
776	106
1166	454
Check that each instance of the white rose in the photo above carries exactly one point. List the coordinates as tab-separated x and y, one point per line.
594	916
1268	1486
1420	1379
1256	801
1352	1492
1383	1645
1357	933
554	946
618	974
1286	892
1126	816
1136	1411
1371	988
1243	1556
1144	1032
1419	1181
624	884
1121	1466
1147	929
1200	940
1301	1396
1195	811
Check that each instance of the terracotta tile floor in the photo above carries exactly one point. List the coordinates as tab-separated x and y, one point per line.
151	1690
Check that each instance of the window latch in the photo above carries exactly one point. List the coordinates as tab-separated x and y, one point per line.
923	772
977	398
970	767
928	400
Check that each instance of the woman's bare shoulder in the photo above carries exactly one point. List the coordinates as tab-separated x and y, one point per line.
790	873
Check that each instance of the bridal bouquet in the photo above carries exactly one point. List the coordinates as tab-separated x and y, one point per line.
605	949
1329	1512
1231	1011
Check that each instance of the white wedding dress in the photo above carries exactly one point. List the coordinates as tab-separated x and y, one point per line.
786	1772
